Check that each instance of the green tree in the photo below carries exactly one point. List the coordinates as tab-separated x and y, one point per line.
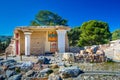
4	45
34	23
93	33
116	34
73	36
48	18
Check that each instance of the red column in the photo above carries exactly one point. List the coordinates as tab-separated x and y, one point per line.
17	43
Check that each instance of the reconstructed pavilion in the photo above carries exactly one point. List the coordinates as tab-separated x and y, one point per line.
40	39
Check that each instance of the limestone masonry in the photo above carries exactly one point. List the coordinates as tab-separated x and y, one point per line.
37	40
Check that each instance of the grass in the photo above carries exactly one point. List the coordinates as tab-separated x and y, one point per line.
108	66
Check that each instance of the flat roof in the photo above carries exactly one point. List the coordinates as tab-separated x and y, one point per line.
41	27
38	28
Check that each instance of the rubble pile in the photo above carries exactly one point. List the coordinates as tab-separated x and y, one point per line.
91	54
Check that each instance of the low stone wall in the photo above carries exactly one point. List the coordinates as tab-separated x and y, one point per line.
112	50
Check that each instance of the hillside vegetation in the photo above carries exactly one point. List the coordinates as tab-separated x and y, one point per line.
4	42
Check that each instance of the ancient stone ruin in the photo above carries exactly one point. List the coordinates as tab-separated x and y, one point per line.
91	54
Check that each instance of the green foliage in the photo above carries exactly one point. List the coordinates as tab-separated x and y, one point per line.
48	18
73	36
4	44
116	35
34	23
110	62
93	33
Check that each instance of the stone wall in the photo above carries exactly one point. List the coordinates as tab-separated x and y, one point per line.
38	40
112	50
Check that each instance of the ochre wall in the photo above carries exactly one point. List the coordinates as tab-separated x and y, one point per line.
22	42
39	42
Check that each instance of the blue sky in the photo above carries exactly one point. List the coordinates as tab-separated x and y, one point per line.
15	13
